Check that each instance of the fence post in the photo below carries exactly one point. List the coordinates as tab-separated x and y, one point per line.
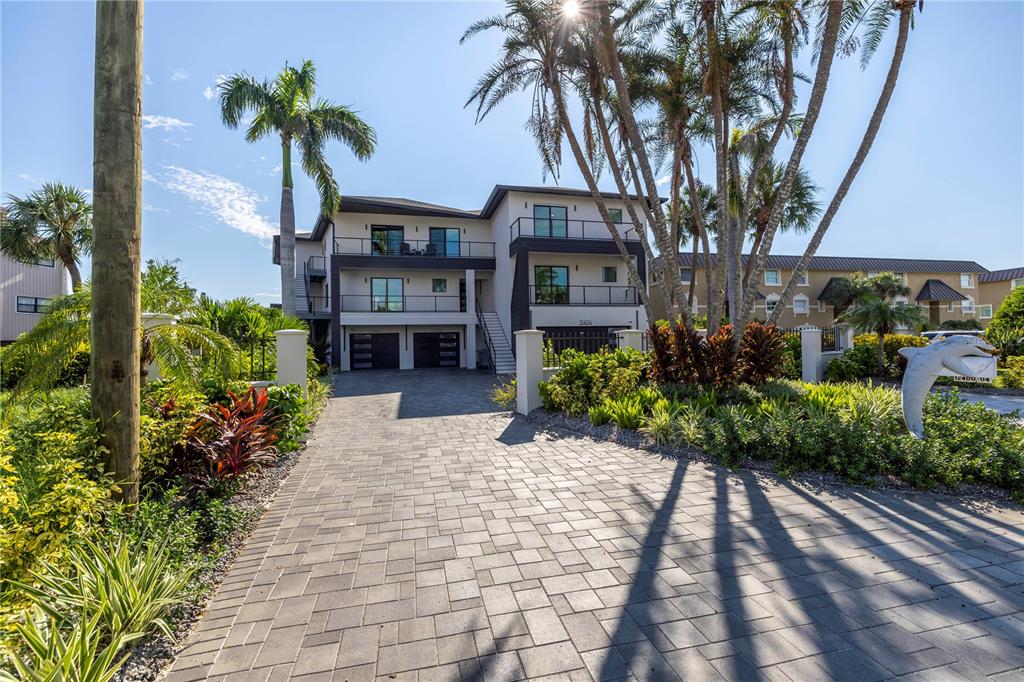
631	338
845	333
529	369
291	357
810	353
150	320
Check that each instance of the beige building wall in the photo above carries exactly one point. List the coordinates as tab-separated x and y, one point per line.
29	282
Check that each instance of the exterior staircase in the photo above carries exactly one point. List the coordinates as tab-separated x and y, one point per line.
301	294
497	342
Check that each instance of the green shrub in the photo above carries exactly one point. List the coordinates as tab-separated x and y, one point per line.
504	394
626	413
288	415
762	353
586	380
12	369
167	413
661	424
599	415
1010	313
1009	340
1012	375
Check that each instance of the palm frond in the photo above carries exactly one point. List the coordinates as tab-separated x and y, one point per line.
242	93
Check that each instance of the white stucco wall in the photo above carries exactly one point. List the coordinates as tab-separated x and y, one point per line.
20	279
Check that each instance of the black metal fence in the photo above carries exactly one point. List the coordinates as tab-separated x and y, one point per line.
830	337
583	340
258	357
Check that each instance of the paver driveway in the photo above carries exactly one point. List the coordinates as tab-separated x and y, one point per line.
424	537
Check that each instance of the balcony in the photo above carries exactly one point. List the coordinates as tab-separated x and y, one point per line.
555	229
414	248
316	268
583	295
368	303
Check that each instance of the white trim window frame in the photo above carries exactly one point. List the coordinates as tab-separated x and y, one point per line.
801	305
805	281
1016	283
966	280
775	280
985	312
770	302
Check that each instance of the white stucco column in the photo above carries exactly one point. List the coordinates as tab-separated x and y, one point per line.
529	369
291	357
150	320
810	354
470	360
846	334
631	338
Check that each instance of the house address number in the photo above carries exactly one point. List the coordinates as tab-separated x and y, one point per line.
585	323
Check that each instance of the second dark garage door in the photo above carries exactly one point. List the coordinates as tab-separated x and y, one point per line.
374	351
435	349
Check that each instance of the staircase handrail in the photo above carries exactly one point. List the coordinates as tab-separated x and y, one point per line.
487	337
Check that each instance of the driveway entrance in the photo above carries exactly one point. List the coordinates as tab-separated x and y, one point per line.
423	536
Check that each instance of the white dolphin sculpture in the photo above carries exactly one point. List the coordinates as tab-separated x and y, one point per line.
925	364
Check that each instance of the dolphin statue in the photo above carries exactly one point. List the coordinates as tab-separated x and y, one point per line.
925	364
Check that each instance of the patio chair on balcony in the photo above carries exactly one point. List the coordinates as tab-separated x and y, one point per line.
405	249
431	249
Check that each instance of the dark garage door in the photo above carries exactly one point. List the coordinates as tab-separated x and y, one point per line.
435	349
373	351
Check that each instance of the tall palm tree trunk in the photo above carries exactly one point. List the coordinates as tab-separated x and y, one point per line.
71	265
906	15
117	231
826	55
286	243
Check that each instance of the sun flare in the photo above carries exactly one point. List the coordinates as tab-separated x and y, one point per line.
570	9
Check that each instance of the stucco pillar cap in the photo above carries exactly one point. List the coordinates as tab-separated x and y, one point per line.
289	332
530	332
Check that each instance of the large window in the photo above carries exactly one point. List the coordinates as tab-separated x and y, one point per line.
551	284
685	275
445	240
985	311
967	280
387	239
772	278
801	305
550	221
386	295
609	274
32	304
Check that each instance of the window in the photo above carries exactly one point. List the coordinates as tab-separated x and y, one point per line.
821	306
31	304
551	284
550	221
900	276
386	295
949	307
966	280
609	274
804	280
386	240
41	262
615	214
771	302
967	307
985	311
772	278
801	306
696	307
439	286
444	241
685	275
1019	282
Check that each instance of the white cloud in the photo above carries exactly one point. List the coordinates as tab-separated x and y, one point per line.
154	209
168	123
146	175
180	74
208	93
146	79
231	203
662	180
29	178
267	294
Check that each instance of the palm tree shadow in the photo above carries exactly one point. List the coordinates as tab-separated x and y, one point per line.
644	583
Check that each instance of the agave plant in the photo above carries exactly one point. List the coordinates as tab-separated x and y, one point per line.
184	351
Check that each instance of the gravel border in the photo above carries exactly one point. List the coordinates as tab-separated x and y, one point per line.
153	657
975	496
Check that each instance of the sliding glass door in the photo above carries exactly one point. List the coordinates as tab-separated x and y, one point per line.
446	241
386	240
386	295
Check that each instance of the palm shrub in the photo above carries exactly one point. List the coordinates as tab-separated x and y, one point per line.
1009	340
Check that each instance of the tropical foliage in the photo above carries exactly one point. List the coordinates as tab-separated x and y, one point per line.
875	308
52	222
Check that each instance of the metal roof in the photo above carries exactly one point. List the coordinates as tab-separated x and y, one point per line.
1001	275
856	264
937	290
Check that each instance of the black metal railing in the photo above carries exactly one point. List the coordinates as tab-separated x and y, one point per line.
363	303
597	295
484	333
317	304
583	340
547	228
316	265
257	360
421	248
830	339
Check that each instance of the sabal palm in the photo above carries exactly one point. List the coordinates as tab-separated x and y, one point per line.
184	351
288	107
52	222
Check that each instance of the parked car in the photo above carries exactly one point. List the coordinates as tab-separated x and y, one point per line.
942	333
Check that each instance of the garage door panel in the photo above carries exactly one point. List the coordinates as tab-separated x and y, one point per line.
373	351
435	349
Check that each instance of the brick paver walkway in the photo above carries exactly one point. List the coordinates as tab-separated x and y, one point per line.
422	537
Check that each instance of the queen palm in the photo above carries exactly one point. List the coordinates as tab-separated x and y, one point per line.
287	107
52	222
874	308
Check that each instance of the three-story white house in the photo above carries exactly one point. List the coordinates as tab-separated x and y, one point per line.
404	284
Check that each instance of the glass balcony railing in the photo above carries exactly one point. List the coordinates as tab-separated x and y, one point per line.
555	228
588	295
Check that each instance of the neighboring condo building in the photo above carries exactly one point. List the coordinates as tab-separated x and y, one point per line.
25	291
397	283
945	289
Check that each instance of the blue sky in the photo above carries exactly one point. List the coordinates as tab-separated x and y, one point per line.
944	179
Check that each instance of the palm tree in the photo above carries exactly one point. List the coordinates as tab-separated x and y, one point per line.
117	232
287	107
52	222
881	316
185	351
